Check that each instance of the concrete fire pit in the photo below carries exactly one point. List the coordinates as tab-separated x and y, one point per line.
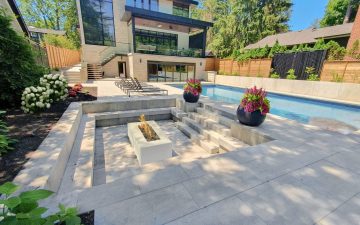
149	151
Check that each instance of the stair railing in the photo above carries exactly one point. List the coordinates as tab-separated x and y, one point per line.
109	52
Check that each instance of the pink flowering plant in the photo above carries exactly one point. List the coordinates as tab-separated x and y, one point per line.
193	86
255	99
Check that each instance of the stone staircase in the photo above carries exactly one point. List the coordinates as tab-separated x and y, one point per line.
94	71
207	129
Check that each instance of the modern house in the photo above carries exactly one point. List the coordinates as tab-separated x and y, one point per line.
37	34
152	40
339	33
18	23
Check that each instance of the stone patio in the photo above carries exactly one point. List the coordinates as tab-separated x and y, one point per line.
305	175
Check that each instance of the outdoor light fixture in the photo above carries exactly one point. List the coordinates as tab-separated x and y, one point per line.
200	63
140	60
159	25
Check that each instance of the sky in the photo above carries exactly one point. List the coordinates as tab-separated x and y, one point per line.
305	12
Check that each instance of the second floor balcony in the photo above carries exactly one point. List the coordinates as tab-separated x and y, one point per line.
177	7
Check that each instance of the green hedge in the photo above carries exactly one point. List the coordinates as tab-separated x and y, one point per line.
335	51
17	63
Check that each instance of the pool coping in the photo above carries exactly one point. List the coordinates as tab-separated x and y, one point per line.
341	102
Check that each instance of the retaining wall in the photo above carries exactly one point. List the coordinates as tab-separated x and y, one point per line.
316	89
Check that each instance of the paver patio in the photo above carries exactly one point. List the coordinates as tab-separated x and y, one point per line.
305	176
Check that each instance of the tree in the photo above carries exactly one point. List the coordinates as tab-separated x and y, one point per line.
59	41
336	10
238	23
54	14
17	63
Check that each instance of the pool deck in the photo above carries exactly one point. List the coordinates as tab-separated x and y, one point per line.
305	176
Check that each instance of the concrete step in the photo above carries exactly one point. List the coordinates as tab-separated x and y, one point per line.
188	131
83	176
193	124
226	143
123	117
220	110
218	118
197	138
209	146
221	129
178	114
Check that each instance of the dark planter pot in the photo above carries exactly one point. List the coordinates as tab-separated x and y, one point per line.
253	119
188	97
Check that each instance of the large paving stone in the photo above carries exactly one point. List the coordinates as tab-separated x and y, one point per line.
335	182
286	201
107	194
346	214
157	207
211	188
159	179
226	212
349	160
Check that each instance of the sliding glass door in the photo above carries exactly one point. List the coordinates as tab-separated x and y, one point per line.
170	72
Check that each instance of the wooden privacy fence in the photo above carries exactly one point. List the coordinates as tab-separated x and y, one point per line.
252	68
341	71
61	57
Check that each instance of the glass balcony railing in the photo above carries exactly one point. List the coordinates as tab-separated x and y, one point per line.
152	5
161	50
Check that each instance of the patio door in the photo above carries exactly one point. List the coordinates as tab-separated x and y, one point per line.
122	70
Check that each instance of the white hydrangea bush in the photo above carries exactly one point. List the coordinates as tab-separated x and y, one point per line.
53	88
57	85
35	99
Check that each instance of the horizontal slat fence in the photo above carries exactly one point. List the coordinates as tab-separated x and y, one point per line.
252	68
341	71
336	71
61	57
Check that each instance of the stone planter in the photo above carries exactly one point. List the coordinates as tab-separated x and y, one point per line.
188	97
149	151
253	119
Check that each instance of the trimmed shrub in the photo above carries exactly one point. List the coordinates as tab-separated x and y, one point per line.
275	75
291	75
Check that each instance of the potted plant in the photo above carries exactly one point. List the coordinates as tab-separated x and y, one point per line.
253	107
192	90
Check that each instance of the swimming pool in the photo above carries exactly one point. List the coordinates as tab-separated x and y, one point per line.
295	108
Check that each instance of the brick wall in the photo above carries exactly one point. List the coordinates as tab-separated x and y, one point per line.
355	33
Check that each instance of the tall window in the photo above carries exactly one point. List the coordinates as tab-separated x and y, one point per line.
152	5
98	22
162	41
180	9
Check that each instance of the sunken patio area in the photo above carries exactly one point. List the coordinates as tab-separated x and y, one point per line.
221	172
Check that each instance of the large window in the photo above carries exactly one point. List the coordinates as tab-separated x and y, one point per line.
170	72
180	9
152	5
98	22
152	41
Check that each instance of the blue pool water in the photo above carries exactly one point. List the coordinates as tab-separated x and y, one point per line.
299	109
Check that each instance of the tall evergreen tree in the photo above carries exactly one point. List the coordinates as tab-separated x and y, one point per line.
238	23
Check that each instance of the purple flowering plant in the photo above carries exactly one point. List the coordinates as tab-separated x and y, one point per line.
255	99
193	86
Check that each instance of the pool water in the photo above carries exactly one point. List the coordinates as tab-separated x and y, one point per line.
295	108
